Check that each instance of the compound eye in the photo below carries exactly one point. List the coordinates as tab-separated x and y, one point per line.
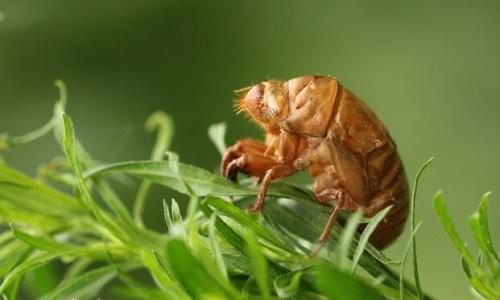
252	102
255	94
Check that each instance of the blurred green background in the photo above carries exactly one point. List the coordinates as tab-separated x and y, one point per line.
430	69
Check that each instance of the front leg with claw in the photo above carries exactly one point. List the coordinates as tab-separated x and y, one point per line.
248	157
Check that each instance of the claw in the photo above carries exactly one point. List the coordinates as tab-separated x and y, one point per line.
229	157
320	244
254	208
235	166
231	172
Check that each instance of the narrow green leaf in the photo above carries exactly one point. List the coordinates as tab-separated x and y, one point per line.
258	264
246	221
465	267
34	190
216	252
59	130
44	259
140	202
77	268
412	227
233	238
192	275
9	142
163	123
47	172
13	254
367	232
405	256
192	210
480	280
70	149
19	200
173	162
446	221
115	204
344	244
287	237
69	144
138	290
390	293
201	181
63	95
481	286
475	225
16	257
247	288
84	286
162	277
287	285
124	220
480	259
341	285
13	290
166	216
173	219
216	133
483	221
176	212
5	237
37	242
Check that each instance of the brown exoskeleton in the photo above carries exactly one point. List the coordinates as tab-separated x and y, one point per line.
314	123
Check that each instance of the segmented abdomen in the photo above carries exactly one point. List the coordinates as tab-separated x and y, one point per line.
393	224
389	187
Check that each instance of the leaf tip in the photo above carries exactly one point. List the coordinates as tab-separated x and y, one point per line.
487	195
63	95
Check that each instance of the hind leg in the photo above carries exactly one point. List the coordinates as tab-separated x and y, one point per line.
329	191
343	202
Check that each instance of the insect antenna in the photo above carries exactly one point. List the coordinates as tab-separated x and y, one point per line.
239	105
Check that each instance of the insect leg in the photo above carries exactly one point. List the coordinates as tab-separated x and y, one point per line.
276	172
327	230
344	202
231	170
246	156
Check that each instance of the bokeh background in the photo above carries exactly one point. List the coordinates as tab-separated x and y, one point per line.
430	69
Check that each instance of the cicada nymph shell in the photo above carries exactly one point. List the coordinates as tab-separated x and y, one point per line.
313	123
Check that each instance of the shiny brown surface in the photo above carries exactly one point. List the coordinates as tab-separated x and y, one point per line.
314	123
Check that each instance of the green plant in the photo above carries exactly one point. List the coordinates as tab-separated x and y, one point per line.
214	251
484	272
